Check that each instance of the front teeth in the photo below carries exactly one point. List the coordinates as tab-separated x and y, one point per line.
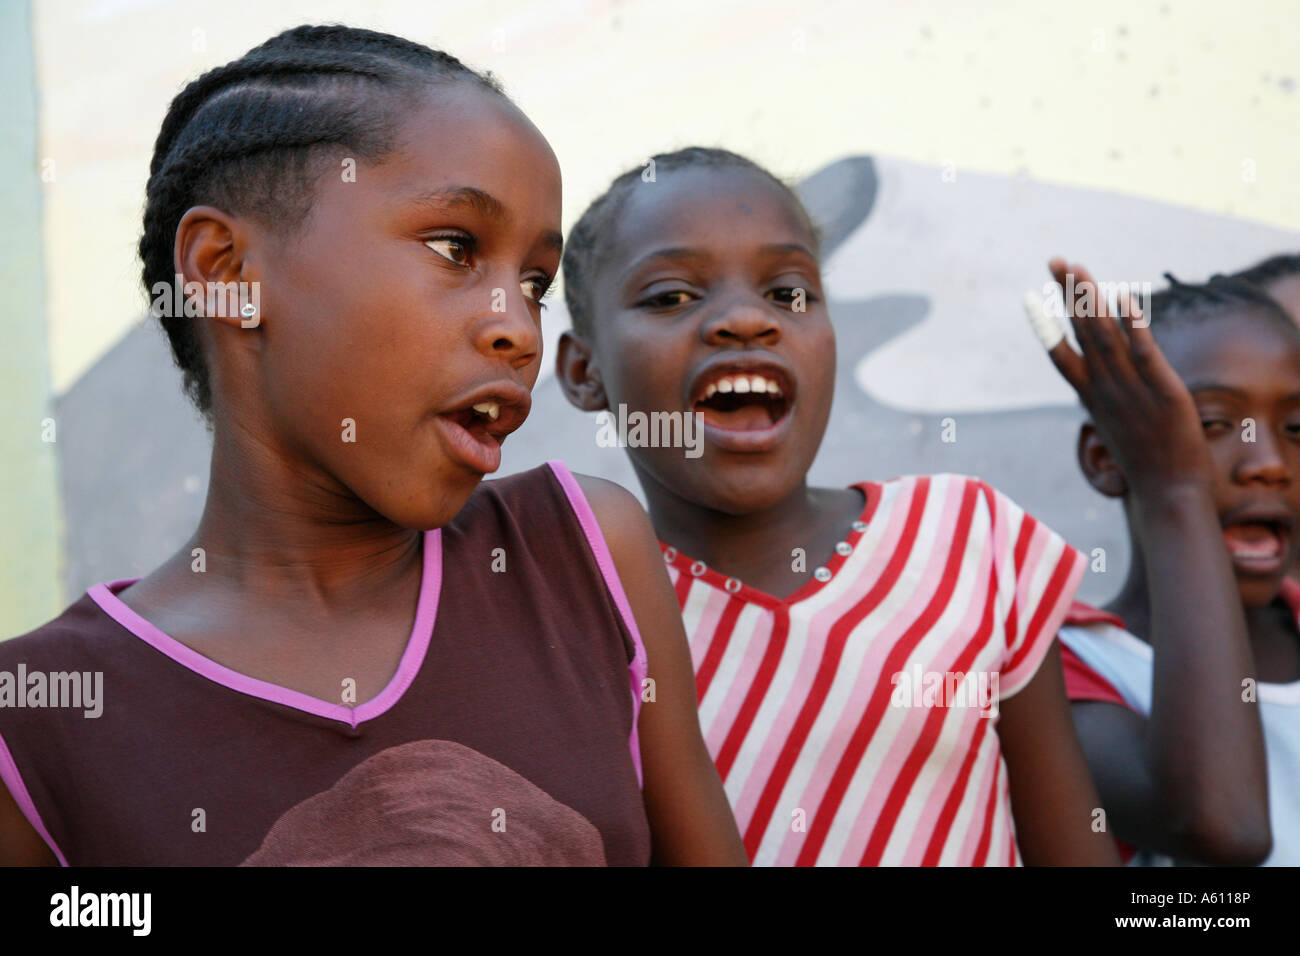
490	409
743	384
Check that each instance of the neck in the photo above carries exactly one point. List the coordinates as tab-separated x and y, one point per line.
738	544
276	527
1133	603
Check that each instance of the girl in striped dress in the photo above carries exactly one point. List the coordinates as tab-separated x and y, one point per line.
876	665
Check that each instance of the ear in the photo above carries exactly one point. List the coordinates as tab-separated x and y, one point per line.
1098	466
575	368
211	246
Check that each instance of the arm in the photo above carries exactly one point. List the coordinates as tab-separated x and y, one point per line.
20	845
1117	743
690	818
1052	795
1202	788
1190	781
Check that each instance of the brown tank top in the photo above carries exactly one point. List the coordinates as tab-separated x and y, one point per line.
507	735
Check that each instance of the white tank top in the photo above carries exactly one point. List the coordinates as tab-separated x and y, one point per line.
1126	663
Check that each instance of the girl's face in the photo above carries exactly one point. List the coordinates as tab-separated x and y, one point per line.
1244	375
709	300
409	297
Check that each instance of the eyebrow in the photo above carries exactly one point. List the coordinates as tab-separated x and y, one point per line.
1195	387
784	248
1214	387
478	200
684	254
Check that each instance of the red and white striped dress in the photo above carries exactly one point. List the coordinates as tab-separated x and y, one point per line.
824	763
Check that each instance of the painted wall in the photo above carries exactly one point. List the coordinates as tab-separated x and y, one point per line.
30	522
1136	138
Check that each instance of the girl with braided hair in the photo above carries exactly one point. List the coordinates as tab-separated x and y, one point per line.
1279	276
1185	687
364	654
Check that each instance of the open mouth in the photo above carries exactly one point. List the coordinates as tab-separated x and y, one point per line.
1260	545
476	417
475	428
472	443
747	400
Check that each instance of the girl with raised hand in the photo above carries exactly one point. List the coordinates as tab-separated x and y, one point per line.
1185	688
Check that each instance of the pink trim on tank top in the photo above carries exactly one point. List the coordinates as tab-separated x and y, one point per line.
417	645
13	781
638	668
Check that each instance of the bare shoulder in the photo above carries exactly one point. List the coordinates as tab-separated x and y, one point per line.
623	521
20	845
606	492
637	559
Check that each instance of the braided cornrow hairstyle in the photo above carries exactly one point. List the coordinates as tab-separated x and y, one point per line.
1185	303
252	137
589	239
1264	274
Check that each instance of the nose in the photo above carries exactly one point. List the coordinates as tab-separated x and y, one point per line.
1262	460
509	330
741	320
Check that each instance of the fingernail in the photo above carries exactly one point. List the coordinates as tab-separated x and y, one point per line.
1046	326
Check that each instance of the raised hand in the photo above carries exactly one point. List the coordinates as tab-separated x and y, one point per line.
1138	403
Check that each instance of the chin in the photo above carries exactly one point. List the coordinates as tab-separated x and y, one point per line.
741	493
432	506
1258	592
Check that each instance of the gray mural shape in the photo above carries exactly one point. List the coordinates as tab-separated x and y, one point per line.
914	262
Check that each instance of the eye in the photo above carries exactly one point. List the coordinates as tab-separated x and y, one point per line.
457	249
1214	426
788	295
537	288
667	300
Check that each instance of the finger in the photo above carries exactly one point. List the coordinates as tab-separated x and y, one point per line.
1060	270
1129	318
1080	293
1043	320
1050	333
1072	368
1110	334
1106	342
1147	358
1084	279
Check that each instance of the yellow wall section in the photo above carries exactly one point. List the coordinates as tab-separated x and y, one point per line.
30	530
1188	101
1177	100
